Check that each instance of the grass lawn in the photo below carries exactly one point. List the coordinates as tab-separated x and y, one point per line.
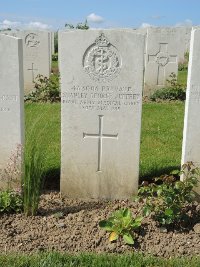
161	137
91	260
182	77
42	127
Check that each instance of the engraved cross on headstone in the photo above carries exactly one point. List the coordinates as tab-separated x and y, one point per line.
162	58
32	69
100	136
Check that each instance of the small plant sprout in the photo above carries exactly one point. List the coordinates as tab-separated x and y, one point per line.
121	224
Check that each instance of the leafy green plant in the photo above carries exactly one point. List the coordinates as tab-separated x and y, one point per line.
46	90
167	201
175	90
10	201
121	224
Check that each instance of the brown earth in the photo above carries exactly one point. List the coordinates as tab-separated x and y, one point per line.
72	226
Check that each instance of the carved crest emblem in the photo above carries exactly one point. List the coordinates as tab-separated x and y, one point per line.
102	61
162	58
31	40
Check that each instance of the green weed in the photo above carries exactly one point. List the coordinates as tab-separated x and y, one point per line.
121	224
169	199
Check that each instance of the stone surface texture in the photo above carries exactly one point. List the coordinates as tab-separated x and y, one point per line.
191	133
101	89
52	42
11	99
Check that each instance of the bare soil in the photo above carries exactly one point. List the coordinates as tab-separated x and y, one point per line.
68	225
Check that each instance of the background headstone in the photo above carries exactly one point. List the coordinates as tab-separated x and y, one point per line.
11	98
52	43
37	52
101	89
165	47
36	55
191	133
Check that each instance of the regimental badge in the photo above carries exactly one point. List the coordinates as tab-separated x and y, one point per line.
31	40
102	61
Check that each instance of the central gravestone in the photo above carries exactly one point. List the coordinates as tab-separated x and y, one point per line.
101	87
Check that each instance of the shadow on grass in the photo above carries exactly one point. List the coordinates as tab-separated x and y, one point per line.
51	180
157	172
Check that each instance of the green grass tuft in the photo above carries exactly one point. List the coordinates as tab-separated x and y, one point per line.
92	260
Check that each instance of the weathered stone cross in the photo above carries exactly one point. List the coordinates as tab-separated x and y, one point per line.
162	58
100	136
32	69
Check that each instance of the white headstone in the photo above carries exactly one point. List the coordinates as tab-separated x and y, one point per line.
191	133
52	43
163	46
11	99
37	55
101	88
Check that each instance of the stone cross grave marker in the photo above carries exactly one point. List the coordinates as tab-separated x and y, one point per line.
191	132
101	90
161	57
11	100
33	74
100	137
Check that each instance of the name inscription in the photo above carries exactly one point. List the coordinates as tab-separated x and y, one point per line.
111	98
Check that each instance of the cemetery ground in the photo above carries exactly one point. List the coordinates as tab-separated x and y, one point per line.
66	232
71	226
